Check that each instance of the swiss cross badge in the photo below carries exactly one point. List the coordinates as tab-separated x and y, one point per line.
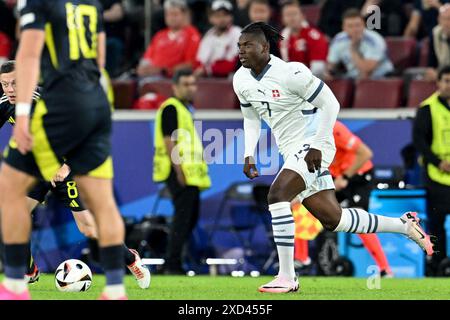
275	93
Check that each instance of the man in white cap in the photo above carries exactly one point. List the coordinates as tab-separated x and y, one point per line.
218	52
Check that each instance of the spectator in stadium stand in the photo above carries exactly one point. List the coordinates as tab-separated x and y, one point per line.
330	21
439	52
241	13
362	52
114	21
392	15
302	43
261	11
425	13
178	162
218	52
431	137
5	48
174	47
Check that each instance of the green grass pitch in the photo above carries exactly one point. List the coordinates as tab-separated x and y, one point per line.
245	288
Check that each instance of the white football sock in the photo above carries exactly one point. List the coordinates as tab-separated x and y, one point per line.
360	221
114	291
15	285
283	232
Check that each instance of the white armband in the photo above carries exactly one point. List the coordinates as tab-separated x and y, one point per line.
23	109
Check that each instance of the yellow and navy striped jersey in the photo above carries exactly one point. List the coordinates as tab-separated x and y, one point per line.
8	110
71	39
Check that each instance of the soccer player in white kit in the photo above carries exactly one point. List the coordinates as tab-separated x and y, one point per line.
301	111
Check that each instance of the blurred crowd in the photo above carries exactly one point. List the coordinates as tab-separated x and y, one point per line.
335	38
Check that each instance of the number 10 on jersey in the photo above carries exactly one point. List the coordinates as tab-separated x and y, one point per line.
78	41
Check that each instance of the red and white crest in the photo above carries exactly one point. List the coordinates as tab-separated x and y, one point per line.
275	93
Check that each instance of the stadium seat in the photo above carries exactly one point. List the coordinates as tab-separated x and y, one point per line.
418	91
211	93
124	93
385	93
424	51
162	87
215	94
343	90
311	13
401	51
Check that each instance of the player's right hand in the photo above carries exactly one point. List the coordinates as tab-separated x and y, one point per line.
62	173
313	160
250	168
21	134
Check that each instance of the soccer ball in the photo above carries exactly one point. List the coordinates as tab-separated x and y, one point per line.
73	276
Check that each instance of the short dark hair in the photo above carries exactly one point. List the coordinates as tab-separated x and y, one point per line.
181	73
351	13
8	66
443	71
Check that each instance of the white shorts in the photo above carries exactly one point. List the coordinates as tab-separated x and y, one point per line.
315	182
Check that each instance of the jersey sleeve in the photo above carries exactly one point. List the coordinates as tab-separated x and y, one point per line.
32	14
237	90
252	120
169	120
100	20
302	82
344	138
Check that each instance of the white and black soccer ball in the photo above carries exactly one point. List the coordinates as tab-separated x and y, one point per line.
73	276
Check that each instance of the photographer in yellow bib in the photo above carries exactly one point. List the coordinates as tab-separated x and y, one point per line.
179	163
431	136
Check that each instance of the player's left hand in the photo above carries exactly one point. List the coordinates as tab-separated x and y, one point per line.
21	134
313	159
62	173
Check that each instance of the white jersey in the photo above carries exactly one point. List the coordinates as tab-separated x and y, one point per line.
283	95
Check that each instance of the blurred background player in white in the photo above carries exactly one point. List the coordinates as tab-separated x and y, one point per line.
218	53
301	111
